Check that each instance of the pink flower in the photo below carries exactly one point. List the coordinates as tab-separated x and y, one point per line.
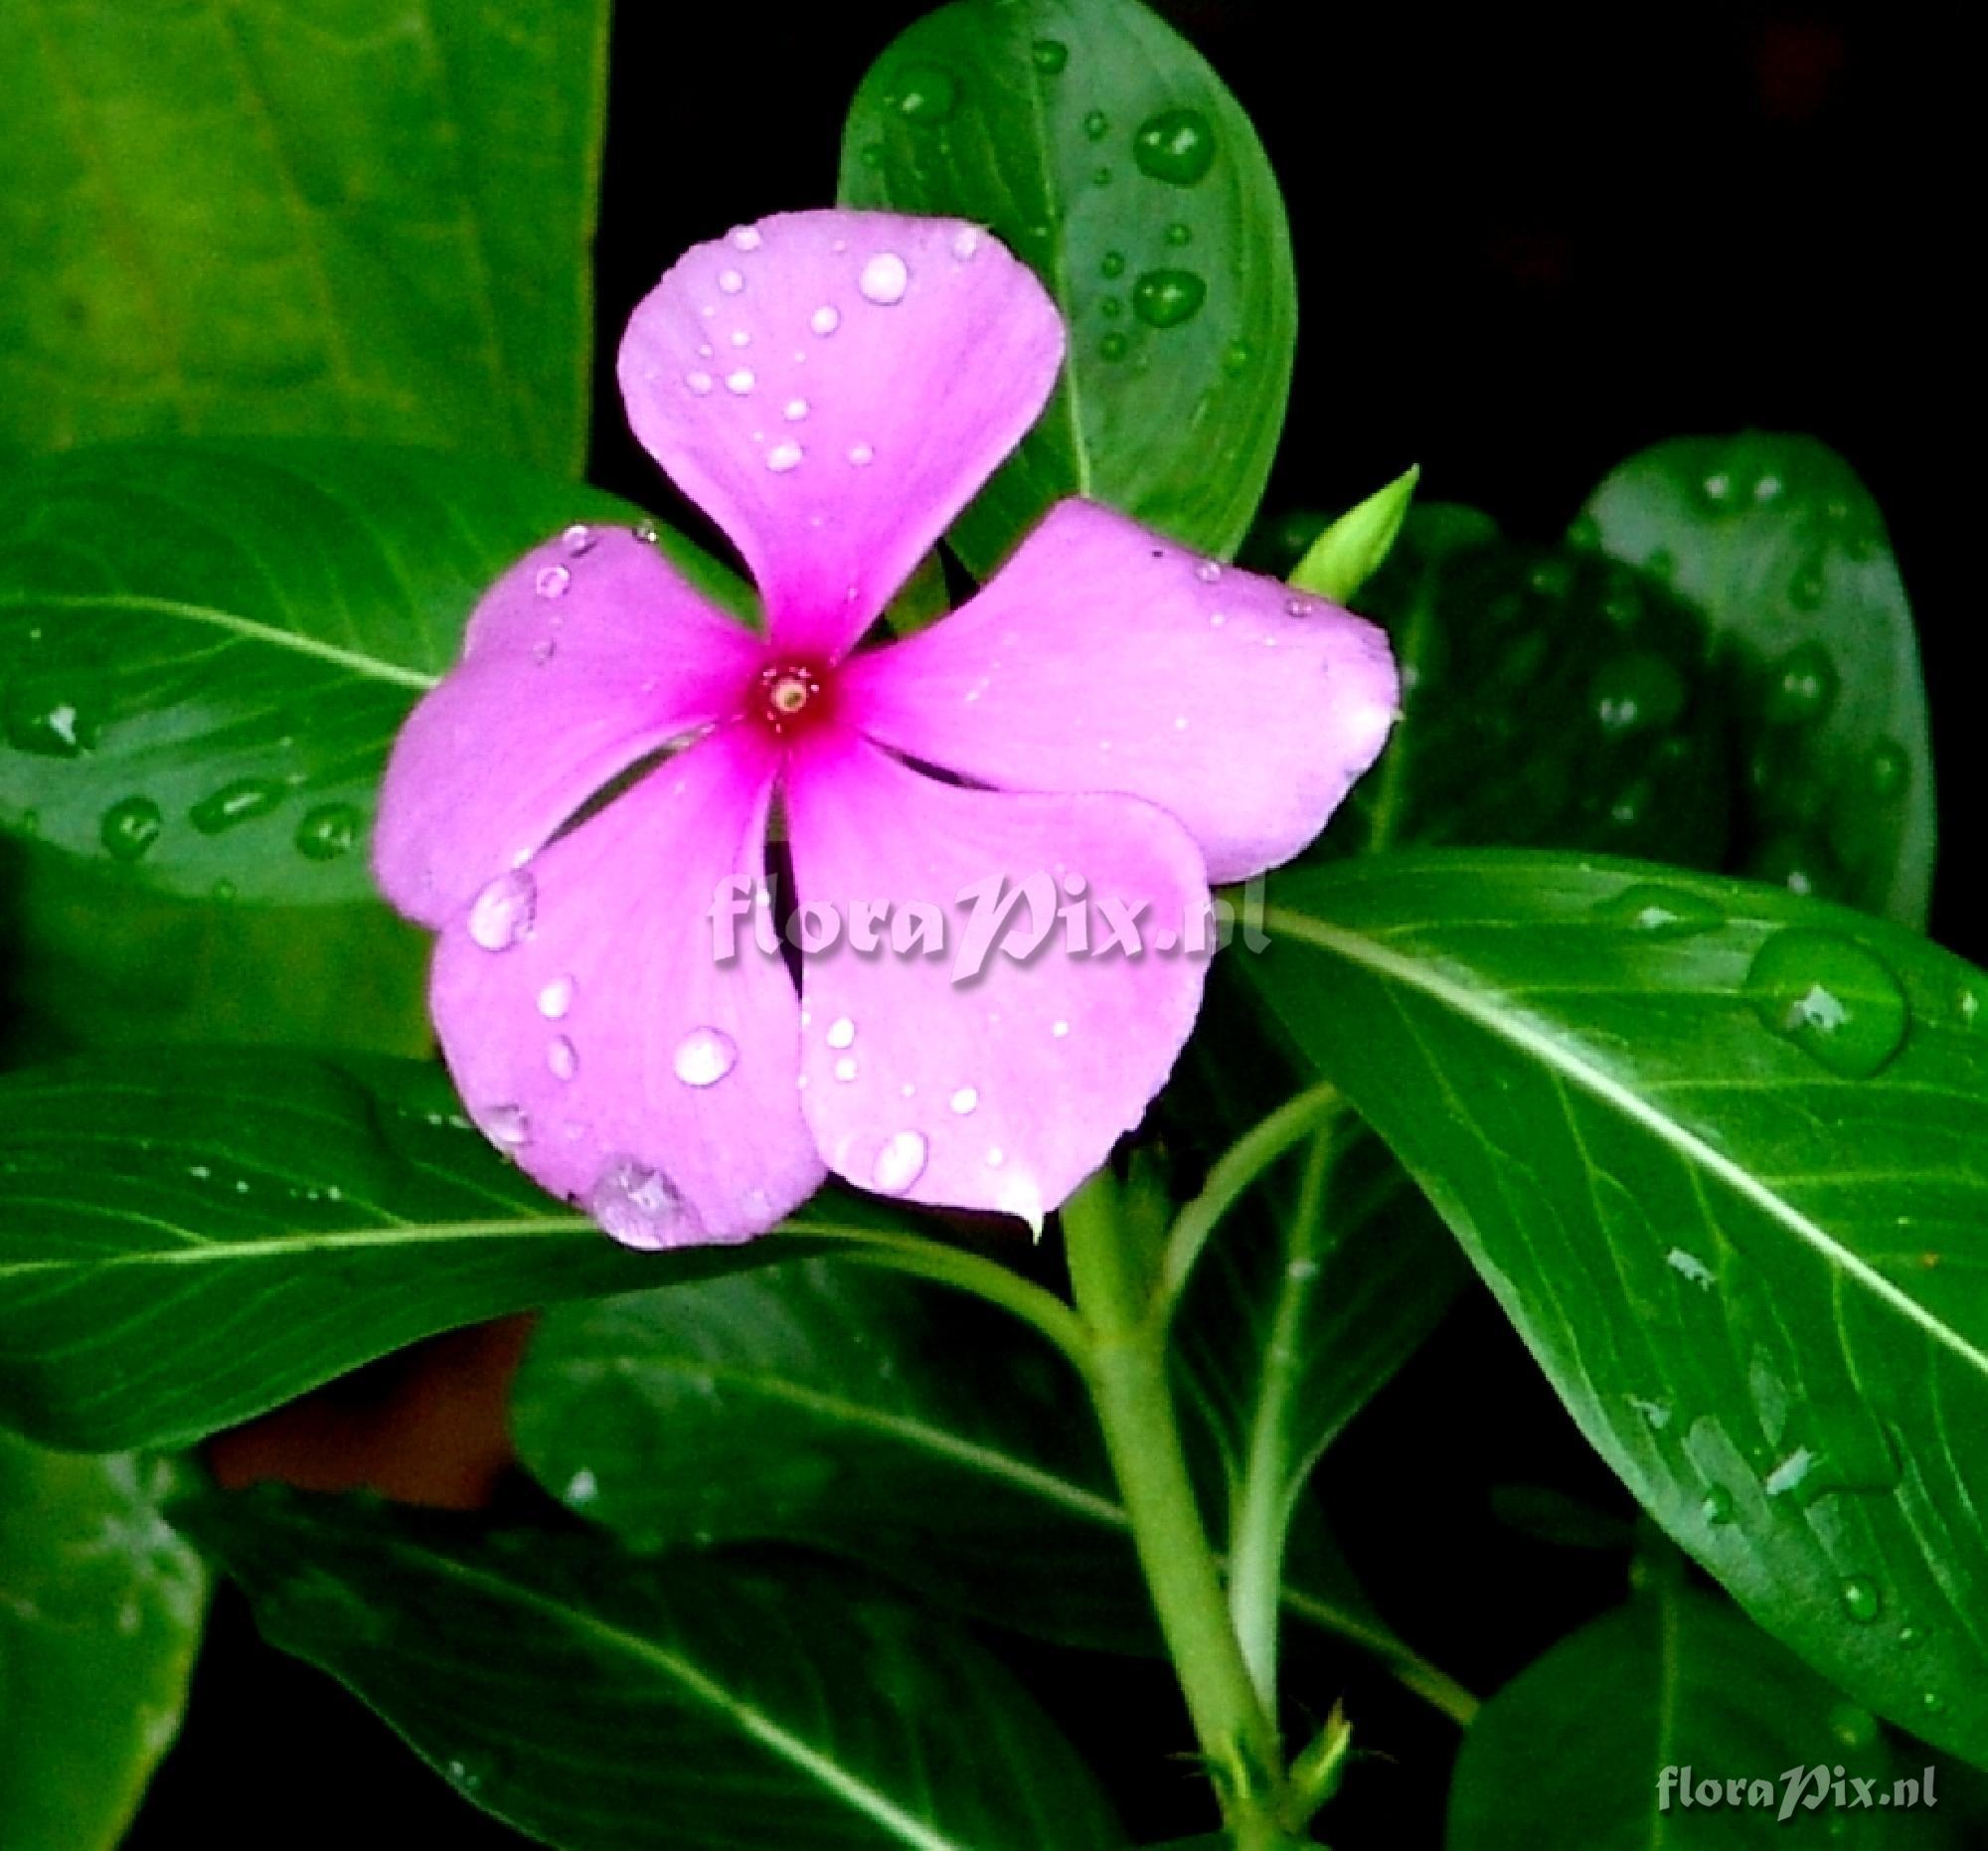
1110	712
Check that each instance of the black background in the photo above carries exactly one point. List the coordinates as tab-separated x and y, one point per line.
1530	241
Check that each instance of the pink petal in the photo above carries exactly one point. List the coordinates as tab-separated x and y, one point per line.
1104	658
596	1036
832	387
589	652
1006	1090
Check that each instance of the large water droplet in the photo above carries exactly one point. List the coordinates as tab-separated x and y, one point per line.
328	831
51	728
239	802
1803	686
502	912
1860	1600
1832	998
1166	299
885	279
1177	146
1049	56
130	827
640	1207
1660	911
704	1055
899	1163
927	94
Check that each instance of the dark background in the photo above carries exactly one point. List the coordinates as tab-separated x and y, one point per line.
1529	241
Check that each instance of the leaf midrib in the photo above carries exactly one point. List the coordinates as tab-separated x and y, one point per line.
708	1691
295	642
1562	1059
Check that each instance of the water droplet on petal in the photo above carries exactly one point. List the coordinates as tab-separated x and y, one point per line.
742	337
1059	1029
731	281
825	320
844	1068
996	1156
885	279
1207	572
1176	145
502	912
556	998
782	457
506	1125
965	243
861	455
841	1032
328	831
1831	997
553	580
745	237
740	382
239	802
640	1207
699	383
130	827
704	1055
795	410
899	1163
1166	299
964	1100
561	1058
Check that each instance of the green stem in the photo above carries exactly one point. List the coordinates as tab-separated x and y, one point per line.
1260	1514
1234	1170
1127	1379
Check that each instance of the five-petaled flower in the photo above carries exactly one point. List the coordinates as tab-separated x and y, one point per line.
832	387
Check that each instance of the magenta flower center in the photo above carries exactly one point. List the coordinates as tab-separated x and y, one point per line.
790	696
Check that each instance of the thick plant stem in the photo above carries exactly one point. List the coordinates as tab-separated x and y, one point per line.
1127	1378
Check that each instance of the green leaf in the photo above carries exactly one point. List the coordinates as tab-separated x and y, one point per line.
893	1423
1100	147
1780	544
363	220
877	1418
188	1242
1355	546
1571	1754
96	962
1721	1153
208	647
1550	698
100	1610
682	1703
